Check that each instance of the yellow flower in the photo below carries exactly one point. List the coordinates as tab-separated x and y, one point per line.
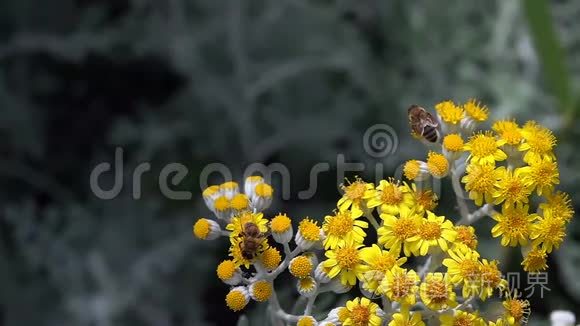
464	268
514	225
228	272
539	143
400	285
237	298
449	112
301	266
516	311
425	199
436	292
433	231
205	229
476	111
480	181
416	170
461	318
236	225
511	187
394	232
390	196
281	227
344	226
548	232
307	286
535	261
240	202
362	312
560	205
271	258
345	261
308	233
491	279
453	143
541	175
353	194
261	290
306	321
379	262
508	131
404	318
437	165
484	148
466	237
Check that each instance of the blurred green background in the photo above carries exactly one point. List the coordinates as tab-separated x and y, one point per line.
236	82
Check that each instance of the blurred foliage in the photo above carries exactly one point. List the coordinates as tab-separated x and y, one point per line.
236	82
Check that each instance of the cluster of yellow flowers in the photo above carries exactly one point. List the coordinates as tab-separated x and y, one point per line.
336	255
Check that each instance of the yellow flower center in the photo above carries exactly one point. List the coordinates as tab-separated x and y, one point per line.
516	222
360	315
466	235
261	290
236	300
469	270
201	228
544	172
347	257
453	143
552	229
391	194
449	112
512	136
271	258
226	270
412	169
404	228
437	164
542	141
307	283
560	205
264	190
305	321
340	224
483	145
437	291
480	178
462	321
476	111
514	189
535	261
355	191
427	199
516	308
221	204
384	263
239	202
300	267
309	230
280	223
401	285
490	275
430	231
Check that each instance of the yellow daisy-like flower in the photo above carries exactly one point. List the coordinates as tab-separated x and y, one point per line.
237	298
461	318
508	131
425	199
484	148
345	261
236	244
539	143
379	262
390	196
271	258
309	229
400	285
240	202
516	311
476	111
491	279
514	225
301	266
344	226
541	175
436	292
535	261
449	112
205	229
511	187
466	237
464	268
362	312
261	290
433	231
548	232
453	143
480	181
354	194
405	318
228	272
306	321
394	232
236	226
437	165
281	227
560	205
416	170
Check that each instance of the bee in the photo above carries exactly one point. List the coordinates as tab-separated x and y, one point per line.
423	124
251	240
